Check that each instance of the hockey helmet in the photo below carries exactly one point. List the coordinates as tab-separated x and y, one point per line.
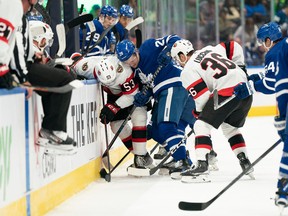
181	46
126	11
39	31
125	49
105	71
109	10
270	30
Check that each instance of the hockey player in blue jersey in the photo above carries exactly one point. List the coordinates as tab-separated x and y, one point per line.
166	89
275	81
108	16
126	16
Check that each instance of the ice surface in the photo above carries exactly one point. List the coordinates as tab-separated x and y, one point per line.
160	195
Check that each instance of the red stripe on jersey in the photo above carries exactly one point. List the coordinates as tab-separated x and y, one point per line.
203	146
231	51
226	92
6	30
197	88
129	86
239	145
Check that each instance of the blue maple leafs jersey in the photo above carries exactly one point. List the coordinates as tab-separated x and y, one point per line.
267	84
102	48
281	75
168	76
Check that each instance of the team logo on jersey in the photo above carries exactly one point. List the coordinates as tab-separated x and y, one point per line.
85	66
145	79
119	69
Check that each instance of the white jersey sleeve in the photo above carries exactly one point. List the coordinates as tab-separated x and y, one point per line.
11	13
85	67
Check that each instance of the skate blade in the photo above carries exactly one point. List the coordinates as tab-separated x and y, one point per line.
163	171
43	142
176	175
213	168
59	152
139	172
196	179
251	176
281	209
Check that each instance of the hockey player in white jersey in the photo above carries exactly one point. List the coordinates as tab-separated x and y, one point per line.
204	71
11	13
118	81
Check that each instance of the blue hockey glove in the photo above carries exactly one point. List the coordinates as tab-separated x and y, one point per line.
140	99
257	76
164	58
280	125
244	90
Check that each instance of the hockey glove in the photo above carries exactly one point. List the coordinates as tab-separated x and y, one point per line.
244	90
164	58
195	113
108	112
280	125
141	99
257	76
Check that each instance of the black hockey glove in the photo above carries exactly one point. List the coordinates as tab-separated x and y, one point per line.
108	112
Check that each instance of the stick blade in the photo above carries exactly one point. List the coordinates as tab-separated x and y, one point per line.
79	20
134	23
60	29
191	206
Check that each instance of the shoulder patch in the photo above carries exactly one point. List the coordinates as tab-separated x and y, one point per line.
85	66
119	69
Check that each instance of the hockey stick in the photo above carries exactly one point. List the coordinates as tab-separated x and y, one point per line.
103	172
199	206
102	36
218	105
131	112
134	23
43	12
61	35
77	21
138	34
170	153
62	89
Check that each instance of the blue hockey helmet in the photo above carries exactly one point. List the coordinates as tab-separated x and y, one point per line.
270	30
108	10
125	49
127	11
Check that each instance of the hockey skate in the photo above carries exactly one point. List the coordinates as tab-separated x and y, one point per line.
54	144
160	154
197	173
245	163
141	166
212	160
282	194
174	168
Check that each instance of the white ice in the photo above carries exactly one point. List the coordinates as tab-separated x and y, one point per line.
160	195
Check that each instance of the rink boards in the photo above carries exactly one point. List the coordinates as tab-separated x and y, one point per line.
31	182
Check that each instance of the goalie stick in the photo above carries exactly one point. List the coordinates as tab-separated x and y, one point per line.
218	105
199	206
62	89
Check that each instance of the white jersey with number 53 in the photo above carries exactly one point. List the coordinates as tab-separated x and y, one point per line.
123	86
209	69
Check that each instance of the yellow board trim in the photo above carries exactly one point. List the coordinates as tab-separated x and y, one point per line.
263	111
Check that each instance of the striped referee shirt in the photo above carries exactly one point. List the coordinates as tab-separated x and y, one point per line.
23	51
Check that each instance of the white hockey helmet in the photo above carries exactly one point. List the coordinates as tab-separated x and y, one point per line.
181	46
105	71
41	30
